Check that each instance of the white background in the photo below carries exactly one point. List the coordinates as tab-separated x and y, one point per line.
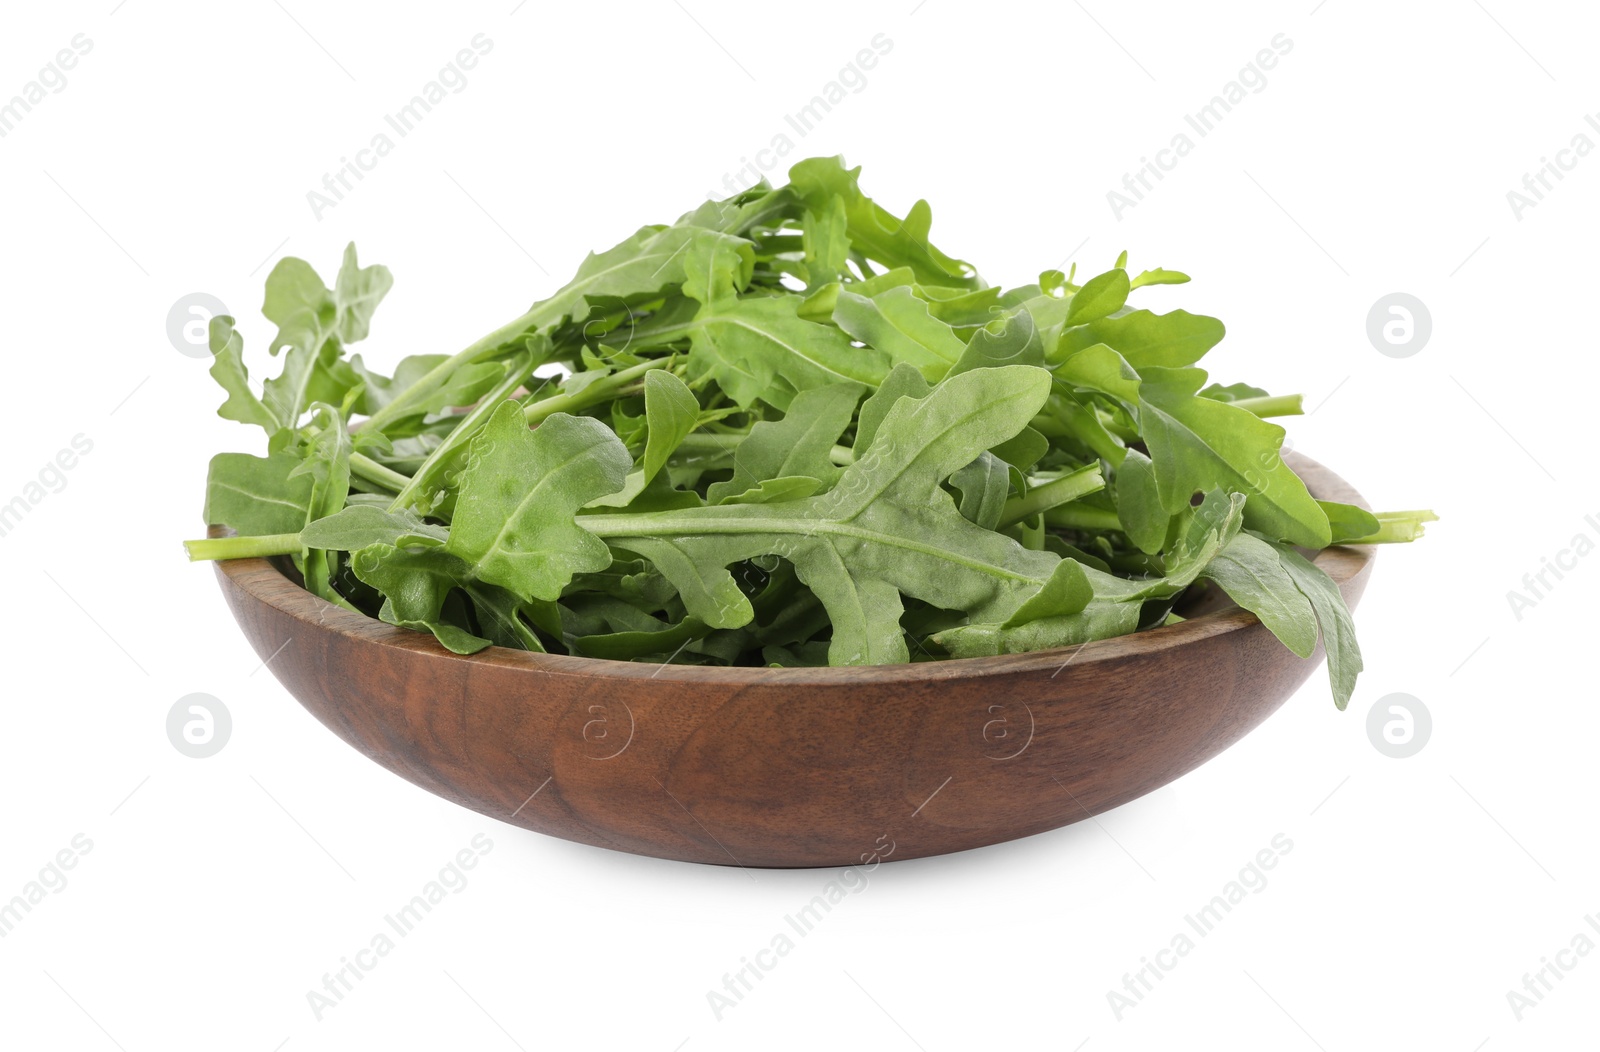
1377	159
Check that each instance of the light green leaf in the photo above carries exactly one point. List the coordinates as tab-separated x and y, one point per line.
1198	444
827	245
1249	570
1010	340
760	349
1333	616
257	496
362	526
513	523
1139	508
1169	340
671	412
863	544
1116	602
1100	296
897	323
798	444
357	291
1347	522
228	369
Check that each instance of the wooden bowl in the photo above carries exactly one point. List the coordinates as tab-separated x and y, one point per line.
786	767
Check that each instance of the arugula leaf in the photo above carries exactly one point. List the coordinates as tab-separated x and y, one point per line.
760	349
1100	297
415	583
362	526
1063	617
1170	340
797	445
899	324
257	496
514	521
859	546
1198	444
228	369
326	461
1333	617
671	412
1249	570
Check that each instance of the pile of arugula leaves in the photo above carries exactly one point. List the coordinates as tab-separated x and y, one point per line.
785	430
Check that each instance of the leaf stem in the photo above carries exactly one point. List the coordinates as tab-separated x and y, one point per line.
517	373
1397	527
208	548
1082	517
603	390
403	403
1052	494
1272	405
366	468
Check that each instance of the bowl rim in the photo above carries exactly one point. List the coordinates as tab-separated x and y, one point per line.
266	583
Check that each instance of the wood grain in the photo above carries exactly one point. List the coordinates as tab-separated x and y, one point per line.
786	767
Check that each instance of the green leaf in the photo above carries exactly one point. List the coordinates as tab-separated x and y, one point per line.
1168	340
1347	522
984	485
671	412
760	349
306	314
637	269
430	478
864	543
227	368
357	291
513	523
415	583
326	461
1198	444
873	231
1139	507
1159	276
1250	571
1116	602
1011	340
826	242
1232	392
1099	368
897	323
799	444
774	490
257	496
362	526
904	381
1333	616
1100	296
1066	593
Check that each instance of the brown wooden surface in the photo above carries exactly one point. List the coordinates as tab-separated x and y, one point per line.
785	767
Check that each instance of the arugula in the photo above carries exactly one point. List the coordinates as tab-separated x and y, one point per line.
785	428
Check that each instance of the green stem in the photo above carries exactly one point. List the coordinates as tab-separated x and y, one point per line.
405	402
243	547
517	373
710	443
1052	494
372	471
1397	527
599	391
1082	517
1272	405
